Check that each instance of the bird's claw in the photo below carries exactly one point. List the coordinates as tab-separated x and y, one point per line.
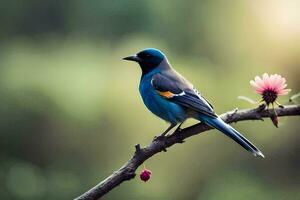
178	130
160	137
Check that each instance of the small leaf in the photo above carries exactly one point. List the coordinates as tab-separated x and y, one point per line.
295	96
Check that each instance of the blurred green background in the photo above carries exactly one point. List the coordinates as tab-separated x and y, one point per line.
70	111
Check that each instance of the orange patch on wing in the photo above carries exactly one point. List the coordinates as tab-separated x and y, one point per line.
167	94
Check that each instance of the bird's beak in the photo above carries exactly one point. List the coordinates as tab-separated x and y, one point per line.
132	58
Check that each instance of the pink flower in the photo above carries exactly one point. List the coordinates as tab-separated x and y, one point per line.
270	87
145	175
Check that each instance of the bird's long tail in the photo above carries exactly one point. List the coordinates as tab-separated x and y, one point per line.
219	124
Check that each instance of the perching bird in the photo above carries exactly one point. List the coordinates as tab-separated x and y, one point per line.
171	97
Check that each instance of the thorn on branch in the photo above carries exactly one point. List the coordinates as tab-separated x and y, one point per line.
137	148
232	113
261	108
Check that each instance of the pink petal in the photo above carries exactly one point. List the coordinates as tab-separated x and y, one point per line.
259	91
280	83
266	81
255	85
284	92
281	87
272	78
272	81
259	82
276	81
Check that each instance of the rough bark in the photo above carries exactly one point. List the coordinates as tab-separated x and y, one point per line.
127	171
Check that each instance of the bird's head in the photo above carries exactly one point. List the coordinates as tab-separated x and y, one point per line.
148	59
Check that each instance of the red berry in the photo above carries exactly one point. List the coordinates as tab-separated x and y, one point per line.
145	175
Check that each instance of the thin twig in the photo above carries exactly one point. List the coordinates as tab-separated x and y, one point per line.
127	171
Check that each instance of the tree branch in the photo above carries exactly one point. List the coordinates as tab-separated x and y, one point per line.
127	171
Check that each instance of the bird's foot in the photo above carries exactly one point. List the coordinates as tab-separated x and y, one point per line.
178	135
160	137
178	130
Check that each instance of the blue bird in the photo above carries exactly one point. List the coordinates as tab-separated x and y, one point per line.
171	97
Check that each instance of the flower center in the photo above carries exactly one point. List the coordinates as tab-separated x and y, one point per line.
269	96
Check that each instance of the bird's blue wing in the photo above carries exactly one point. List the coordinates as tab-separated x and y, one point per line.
177	90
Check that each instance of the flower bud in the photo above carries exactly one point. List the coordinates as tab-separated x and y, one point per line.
275	120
